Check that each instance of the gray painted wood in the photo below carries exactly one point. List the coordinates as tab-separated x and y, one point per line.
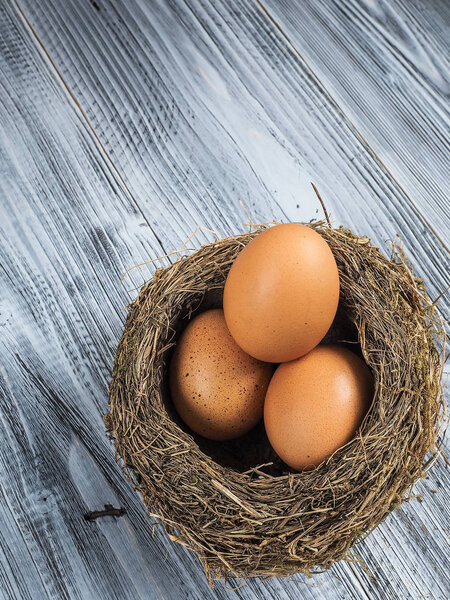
151	119
225	81
387	64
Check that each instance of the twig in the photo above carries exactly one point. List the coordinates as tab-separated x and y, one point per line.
109	511
325	212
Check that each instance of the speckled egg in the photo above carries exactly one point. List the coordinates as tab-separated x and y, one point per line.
281	293
315	404
217	389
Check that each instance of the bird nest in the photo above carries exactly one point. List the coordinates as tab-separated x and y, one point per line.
234	503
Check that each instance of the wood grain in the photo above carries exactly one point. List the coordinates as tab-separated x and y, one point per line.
200	71
387	63
123	126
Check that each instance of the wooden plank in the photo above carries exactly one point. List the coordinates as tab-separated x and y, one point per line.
175	173
387	63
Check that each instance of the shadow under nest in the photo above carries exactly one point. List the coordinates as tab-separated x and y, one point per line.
235	503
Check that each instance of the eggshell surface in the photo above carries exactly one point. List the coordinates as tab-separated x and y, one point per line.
315	404
217	389
282	293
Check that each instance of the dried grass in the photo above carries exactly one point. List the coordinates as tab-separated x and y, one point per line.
245	518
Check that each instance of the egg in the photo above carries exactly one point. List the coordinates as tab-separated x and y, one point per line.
315	404
281	293
217	389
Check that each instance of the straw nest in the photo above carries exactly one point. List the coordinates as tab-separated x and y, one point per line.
235	504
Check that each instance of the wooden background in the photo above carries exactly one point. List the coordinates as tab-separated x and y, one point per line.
124	124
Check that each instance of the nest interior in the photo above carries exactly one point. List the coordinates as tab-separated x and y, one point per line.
236	504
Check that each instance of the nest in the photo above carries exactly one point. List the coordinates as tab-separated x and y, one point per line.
242	511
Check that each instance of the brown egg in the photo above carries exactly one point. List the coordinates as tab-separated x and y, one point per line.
217	389
315	404
281	293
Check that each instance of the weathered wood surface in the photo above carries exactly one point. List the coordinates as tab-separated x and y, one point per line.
387	65
124	125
